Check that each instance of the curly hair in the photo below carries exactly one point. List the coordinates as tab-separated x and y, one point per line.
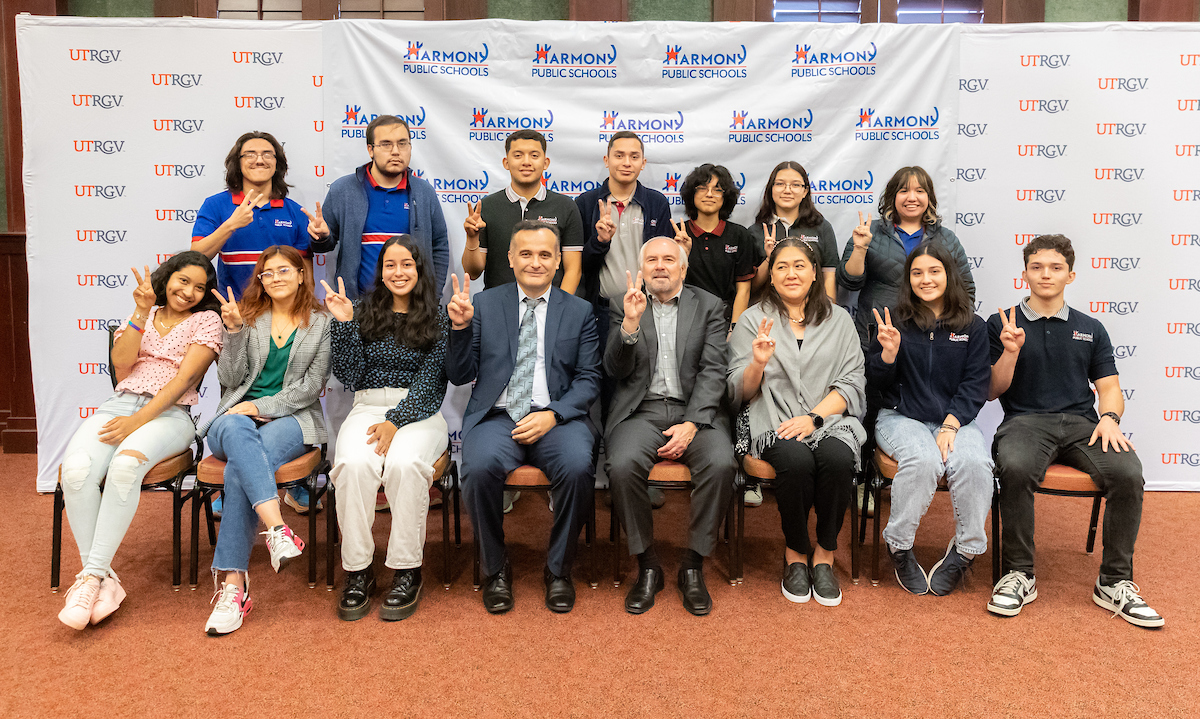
175	263
700	177
233	165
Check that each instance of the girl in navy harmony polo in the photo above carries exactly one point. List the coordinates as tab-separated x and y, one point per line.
931	368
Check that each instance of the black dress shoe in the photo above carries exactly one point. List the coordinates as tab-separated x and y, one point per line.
641	595
497	591
356	596
401	600
695	595
560	592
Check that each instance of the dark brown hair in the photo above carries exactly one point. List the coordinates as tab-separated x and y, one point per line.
887	201
624	135
699	178
809	216
233	165
418	328
524	135
817	306
385	121
188	258
256	301
957	311
1058	243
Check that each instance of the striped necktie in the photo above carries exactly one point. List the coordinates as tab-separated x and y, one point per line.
520	387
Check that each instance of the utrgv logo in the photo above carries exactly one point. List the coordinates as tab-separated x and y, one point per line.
185	126
1125	129
842	192
106	147
972	84
1191	459
1188	105
104	102
1183	328
456	190
974	129
1128	84
419	61
1047	196
175	215
1048	106
1182	372
89	324
257	58
1124	219
1052	62
1112	308
1047	151
1124	174
1185	195
108	281
1124	351
971	174
1123	264
968	219
164	79
807	62
100	56
184	171
255	102
108	192
108	237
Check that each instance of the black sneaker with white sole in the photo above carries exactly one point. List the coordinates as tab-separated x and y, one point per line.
825	586
908	571
1124	598
948	573
1014	590
797	585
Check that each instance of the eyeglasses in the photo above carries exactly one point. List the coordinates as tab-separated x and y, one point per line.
714	191
794	186
282	273
388	145
266	155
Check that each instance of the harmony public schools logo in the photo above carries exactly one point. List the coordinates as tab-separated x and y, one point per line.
674	181
1081	336
355	121
571	188
807	62
100	56
442	60
573	64
883	127
665	129
242	57
682	65
745	128
486	127
846	191
459	190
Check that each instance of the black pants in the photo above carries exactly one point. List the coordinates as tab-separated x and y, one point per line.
1025	446
804	480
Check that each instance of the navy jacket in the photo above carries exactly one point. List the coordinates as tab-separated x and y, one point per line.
487	353
935	373
656	212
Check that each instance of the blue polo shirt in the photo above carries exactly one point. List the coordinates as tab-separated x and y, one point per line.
281	222
387	216
910	241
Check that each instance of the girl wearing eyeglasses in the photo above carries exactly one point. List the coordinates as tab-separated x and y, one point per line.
273	369
787	210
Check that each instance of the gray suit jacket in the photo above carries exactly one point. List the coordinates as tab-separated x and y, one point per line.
243	357
700	350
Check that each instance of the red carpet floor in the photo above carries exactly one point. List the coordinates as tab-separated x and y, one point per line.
883	653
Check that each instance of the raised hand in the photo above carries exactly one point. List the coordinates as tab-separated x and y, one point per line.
889	336
231	314
317	227
1011	336
763	346
244	214
605	227
474	222
635	302
460	309
143	293
768	237
338	303
862	232
682	236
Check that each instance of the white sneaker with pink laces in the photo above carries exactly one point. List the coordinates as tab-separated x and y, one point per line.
80	599
233	603
110	597
283	545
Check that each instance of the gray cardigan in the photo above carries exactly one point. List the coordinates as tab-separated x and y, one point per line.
796	379
245	354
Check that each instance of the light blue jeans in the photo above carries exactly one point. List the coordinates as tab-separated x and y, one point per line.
968	474
99	520
252	455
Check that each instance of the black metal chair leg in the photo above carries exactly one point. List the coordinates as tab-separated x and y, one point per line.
996	534
311	486
855	550
331	531
56	539
737	548
593	548
614	535
457	510
176	531
445	483
878	492
212	521
1091	541
194	544
475	571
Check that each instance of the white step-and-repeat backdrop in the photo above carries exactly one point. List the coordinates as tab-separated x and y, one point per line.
1025	129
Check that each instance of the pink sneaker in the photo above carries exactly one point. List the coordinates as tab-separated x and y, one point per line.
80	599
110	598
283	545
233	604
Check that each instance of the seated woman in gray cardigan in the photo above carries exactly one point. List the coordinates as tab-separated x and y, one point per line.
797	370
273	369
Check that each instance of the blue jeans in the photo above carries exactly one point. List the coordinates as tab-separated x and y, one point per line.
968	475
252	454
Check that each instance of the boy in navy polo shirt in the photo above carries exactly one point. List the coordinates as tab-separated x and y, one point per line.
1045	357
252	214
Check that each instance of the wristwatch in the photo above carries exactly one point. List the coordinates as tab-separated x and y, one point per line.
817	420
1115	417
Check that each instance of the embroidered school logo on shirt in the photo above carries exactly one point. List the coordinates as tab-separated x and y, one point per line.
548	220
1083	336
959	338
283	223
731	249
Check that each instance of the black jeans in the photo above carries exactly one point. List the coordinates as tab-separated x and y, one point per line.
1025	446
804	480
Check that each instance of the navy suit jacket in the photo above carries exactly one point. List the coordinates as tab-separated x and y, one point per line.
487	352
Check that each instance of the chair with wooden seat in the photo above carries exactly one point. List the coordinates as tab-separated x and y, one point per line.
1063	481
882	471
762	473
668	474
528	478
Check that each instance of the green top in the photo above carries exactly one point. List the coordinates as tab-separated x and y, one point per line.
270	380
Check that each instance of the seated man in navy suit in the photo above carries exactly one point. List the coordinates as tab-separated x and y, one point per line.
534	354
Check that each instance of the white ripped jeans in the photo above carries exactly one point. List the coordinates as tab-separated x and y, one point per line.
99	520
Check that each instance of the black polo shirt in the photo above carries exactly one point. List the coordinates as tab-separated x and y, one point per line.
1061	357
722	258
501	211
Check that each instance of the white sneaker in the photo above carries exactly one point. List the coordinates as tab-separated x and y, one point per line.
1013	591
283	545
232	605
510	498
81	597
110	598
754	496
1124	599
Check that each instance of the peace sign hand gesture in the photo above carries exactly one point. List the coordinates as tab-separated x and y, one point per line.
769	238
763	346
143	293
682	236
244	214
605	227
231	314
474	222
1011	336
889	336
317	228
460	309
635	303
862	232
338	303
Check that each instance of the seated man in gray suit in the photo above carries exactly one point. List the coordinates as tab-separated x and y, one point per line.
669	367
